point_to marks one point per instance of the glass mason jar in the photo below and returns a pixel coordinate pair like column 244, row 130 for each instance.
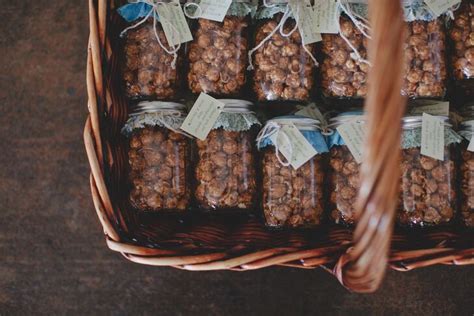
column 292, row 197
column 428, row 186
column 343, row 173
column 342, row 75
column 467, row 174
column 218, row 55
column 148, row 72
column 425, row 54
column 461, row 34
column 158, row 157
column 225, row 171
column 283, row 68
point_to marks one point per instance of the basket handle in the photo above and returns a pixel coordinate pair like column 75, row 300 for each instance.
column 363, row 267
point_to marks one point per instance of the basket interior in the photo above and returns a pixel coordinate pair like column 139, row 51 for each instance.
column 198, row 233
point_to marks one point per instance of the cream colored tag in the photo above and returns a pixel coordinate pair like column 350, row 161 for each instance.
column 203, row 116
column 353, row 134
column 306, row 21
column 326, row 13
column 214, row 10
column 471, row 144
column 174, row 23
column 293, row 145
column 311, row 111
column 441, row 6
column 432, row 137
column 436, row 108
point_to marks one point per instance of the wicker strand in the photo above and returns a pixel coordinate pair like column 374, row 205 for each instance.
column 361, row 267
column 366, row 262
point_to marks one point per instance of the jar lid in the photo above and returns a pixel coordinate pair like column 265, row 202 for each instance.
column 301, row 122
column 275, row 2
column 412, row 122
column 236, row 106
column 157, row 106
column 345, row 117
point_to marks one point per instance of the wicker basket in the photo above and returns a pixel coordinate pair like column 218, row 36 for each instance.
column 357, row 258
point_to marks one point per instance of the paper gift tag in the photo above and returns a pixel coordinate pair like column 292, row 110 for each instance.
column 432, row 137
column 203, row 116
column 306, row 21
column 436, row 108
column 311, row 111
column 471, row 144
column 441, row 6
column 353, row 134
column 174, row 23
column 293, row 145
column 326, row 14
column 214, row 10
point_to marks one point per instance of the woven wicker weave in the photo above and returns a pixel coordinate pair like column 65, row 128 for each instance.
column 357, row 258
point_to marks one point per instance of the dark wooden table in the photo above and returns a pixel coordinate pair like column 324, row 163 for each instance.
column 53, row 259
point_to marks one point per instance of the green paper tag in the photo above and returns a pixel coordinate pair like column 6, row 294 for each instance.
column 353, row 134
column 214, row 10
column 293, row 146
column 441, row 6
column 174, row 23
column 306, row 21
column 432, row 108
column 203, row 116
column 432, row 137
column 326, row 16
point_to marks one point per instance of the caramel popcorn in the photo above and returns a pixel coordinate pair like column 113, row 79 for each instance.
column 342, row 75
column 462, row 36
column 283, row 69
column 225, row 171
column 425, row 65
column 218, row 57
column 147, row 71
column 158, row 170
column 428, row 195
column 344, row 185
column 292, row 198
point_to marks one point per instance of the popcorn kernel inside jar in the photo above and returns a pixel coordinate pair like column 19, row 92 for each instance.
column 292, row 198
column 284, row 71
column 225, row 171
column 158, row 173
column 218, row 57
column 147, row 70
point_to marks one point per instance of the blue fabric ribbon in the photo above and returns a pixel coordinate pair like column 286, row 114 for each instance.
column 134, row 11
column 335, row 139
column 315, row 138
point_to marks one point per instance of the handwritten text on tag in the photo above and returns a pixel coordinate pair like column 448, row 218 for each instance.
column 441, row 6
column 326, row 14
column 293, row 146
column 203, row 116
column 214, row 10
column 432, row 137
column 437, row 109
column 353, row 134
column 306, row 21
column 174, row 23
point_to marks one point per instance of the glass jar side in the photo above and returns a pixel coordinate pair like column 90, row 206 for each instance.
column 147, row 71
column 292, row 198
column 225, row 171
column 159, row 170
